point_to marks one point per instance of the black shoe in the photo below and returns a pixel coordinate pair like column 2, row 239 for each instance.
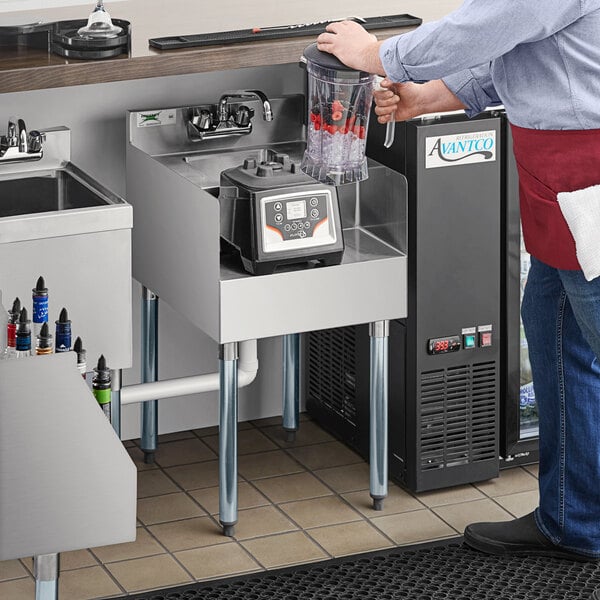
column 519, row 537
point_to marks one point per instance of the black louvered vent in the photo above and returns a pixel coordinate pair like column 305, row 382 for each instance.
column 458, row 415
column 332, row 370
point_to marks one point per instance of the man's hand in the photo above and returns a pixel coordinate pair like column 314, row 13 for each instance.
column 397, row 101
column 353, row 45
column 403, row 101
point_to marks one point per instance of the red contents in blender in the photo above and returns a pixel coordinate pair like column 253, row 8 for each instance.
column 336, row 117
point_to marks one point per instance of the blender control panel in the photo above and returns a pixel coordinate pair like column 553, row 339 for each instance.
column 297, row 220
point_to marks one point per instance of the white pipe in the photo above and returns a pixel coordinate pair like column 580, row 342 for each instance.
column 183, row 386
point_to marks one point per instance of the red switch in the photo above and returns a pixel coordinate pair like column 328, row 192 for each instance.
column 485, row 339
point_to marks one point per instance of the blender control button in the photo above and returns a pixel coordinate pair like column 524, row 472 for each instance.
column 301, row 225
column 302, row 234
column 287, row 227
column 277, row 206
column 278, row 218
column 294, row 226
column 314, row 213
column 314, row 201
column 307, row 224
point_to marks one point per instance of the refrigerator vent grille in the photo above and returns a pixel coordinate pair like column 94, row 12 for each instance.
column 458, row 415
column 332, row 370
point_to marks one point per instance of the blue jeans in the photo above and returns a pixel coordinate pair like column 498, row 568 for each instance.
column 561, row 316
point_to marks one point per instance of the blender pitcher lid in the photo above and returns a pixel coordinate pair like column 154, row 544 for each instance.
column 325, row 60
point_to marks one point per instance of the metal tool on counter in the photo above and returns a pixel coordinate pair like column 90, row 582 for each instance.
column 304, row 25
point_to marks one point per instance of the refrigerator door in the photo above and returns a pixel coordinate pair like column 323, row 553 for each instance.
column 519, row 419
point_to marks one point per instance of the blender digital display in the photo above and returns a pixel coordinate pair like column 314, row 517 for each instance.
column 296, row 210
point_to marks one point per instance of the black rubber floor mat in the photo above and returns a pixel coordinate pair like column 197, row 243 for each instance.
column 448, row 571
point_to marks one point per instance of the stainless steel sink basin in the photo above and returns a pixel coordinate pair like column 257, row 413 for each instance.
column 46, row 192
column 56, row 202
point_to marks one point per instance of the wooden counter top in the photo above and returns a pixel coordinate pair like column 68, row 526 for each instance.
column 22, row 69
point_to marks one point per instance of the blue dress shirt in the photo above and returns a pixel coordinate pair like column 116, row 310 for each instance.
column 540, row 58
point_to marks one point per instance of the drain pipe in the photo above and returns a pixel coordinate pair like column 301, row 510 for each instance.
column 183, row 386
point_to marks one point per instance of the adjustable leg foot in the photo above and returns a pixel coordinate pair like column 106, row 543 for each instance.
column 378, row 503
column 290, row 435
column 228, row 529
column 149, row 457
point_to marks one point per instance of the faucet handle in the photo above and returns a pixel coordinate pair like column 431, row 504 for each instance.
column 35, row 140
column 12, row 137
column 243, row 116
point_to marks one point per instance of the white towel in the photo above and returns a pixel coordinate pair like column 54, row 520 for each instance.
column 581, row 210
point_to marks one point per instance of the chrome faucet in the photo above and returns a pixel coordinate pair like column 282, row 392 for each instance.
column 218, row 121
column 223, row 113
column 17, row 145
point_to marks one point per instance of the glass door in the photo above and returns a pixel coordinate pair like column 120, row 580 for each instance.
column 528, row 413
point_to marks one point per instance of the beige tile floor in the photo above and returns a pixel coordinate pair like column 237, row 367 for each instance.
column 299, row 502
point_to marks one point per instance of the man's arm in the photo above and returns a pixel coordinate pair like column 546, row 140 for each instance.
column 477, row 32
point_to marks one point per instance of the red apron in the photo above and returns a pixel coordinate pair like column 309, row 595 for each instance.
column 549, row 162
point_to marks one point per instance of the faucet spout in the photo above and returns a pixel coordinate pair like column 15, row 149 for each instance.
column 267, row 110
column 23, row 142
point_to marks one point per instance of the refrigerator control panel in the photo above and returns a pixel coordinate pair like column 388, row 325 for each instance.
column 470, row 338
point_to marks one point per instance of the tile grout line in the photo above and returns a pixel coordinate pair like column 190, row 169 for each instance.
column 107, row 571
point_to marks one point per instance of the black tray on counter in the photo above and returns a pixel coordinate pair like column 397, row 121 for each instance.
column 272, row 33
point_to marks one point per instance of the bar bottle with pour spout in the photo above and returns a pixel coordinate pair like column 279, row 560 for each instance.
column 339, row 104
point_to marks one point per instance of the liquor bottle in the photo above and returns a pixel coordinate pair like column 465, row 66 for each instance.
column 44, row 341
column 101, row 384
column 11, row 331
column 24, row 335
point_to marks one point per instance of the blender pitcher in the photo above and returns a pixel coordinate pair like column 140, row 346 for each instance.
column 339, row 104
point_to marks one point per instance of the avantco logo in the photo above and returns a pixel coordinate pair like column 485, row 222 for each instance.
column 460, row 149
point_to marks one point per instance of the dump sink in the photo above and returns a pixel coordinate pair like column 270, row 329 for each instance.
column 46, row 192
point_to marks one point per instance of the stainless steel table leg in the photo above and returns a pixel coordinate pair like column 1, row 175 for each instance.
column 115, row 400
column 379, row 334
column 149, row 372
column 45, row 571
column 228, row 403
column 291, row 384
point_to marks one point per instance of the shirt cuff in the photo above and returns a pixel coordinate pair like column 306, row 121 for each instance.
column 468, row 90
column 394, row 69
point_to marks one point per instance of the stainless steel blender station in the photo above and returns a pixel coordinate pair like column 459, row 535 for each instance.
column 182, row 165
